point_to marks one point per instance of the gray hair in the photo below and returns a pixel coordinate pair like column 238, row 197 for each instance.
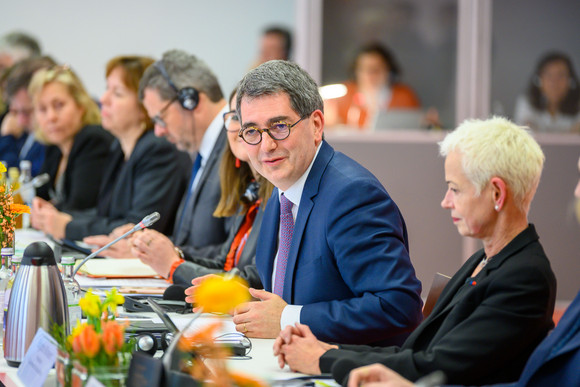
column 19, row 46
column 279, row 76
column 184, row 70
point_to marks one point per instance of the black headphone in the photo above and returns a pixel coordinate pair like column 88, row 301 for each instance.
column 188, row 97
column 251, row 194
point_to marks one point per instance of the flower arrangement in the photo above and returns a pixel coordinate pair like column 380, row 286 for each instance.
column 215, row 294
column 100, row 341
column 9, row 211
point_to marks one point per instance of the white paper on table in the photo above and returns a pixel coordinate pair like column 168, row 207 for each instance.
column 38, row 360
column 89, row 282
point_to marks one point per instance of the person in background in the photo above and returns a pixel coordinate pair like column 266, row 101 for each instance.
column 333, row 250
column 244, row 194
column 185, row 102
column 376, row 86
column 17, row 141
column 68, row 122
column 552, row 101
column 275, row 43
column 498, row 307
column 143, row 173
column 553, row 363
column 16, row 46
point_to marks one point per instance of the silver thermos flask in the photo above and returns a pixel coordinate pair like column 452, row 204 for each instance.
column 38, row 299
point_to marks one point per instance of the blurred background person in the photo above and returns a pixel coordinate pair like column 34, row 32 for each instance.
column 375, row 86
column 15, row 46
column 498, row 306
column 552, row 100
column 244, row 194
column 143, row 173
column 275, row 43
column 69, row 123
column 17, row 141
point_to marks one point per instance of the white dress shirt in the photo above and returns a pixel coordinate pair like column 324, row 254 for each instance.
column 208, row 142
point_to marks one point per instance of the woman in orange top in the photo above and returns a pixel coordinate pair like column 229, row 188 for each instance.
column 375, row 88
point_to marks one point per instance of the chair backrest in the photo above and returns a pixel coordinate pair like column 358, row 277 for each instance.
column 439, row 282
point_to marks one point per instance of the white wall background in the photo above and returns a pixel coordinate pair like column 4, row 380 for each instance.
column 86, row 34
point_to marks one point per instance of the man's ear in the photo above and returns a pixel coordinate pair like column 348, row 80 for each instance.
column 317, row 119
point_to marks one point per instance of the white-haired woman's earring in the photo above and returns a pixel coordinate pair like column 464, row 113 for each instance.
column 496, row 207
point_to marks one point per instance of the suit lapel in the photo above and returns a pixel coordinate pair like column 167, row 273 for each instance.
column 448, row 300
column 306, row 204
column 208, row 169
column 187, row 207
column 266, row 252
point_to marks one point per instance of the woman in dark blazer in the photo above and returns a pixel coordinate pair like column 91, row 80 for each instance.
column 243, row 196
column 142, row 173
column 68, row 120
column 498, row 306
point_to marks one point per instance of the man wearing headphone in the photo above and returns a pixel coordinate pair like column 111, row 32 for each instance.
column 185, row 101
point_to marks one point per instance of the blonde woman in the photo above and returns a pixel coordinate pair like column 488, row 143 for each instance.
column 68, row 121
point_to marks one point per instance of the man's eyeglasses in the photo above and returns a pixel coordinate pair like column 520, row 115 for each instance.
column 229, row 117
column 158, row 118
column 277, row 131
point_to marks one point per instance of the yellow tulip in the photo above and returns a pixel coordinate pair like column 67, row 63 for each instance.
column 219, row 294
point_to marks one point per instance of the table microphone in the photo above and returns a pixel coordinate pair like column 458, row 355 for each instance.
column 146, row 222
column 38, row 181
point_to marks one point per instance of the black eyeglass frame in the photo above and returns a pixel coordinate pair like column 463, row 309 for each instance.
column 157, row 119
column 267, row 130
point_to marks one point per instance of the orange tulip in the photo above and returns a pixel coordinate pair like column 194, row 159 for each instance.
column 87, row 342
column 113, row 336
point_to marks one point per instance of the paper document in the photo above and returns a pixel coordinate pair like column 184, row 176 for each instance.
column 117, row 268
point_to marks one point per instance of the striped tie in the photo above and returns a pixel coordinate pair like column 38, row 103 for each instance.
column 286, row 230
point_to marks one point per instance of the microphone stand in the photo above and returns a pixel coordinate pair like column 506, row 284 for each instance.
column 146, row 222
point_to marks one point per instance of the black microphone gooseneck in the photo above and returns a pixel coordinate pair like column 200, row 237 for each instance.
column 146, row 222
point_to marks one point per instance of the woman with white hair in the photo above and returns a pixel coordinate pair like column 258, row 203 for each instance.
column 498, row 306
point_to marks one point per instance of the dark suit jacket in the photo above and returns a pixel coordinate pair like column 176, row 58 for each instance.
column 246, row 267
column 10, row 148
column 153, row 179
column 201, row 233
column 84, row 170
column 556, row 361
column 481, row 330
column 348, row 263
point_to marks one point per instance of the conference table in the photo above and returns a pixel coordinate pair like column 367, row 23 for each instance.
column 259, row 363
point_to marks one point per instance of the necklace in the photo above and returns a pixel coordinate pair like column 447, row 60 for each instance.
column 483, row 261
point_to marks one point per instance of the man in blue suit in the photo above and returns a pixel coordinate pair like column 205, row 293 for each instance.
column 333, row 251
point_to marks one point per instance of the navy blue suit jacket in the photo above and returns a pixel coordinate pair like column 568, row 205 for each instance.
column 556, row 361
column 348, row 263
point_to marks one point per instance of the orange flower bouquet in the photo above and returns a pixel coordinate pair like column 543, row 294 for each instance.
column 207, row 360
column 98, row 345
column 8, row 213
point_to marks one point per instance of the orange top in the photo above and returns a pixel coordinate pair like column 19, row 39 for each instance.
column 241, row 237
column 351, row 109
